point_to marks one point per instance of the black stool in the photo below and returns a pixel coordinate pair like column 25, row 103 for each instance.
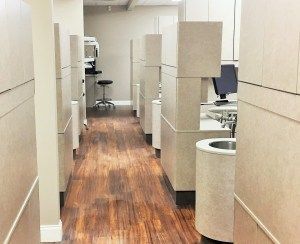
column 104, row 101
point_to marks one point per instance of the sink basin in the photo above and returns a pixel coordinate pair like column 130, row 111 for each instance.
column 225, row 145
column 221, row 146
column 216, row 112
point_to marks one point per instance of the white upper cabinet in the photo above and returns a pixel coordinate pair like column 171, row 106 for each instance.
column 281, row 45
column 5, row 64
column 223, row 11
column 162, row 22
column 193, row 10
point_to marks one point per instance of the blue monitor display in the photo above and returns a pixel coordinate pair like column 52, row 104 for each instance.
column 227, row 83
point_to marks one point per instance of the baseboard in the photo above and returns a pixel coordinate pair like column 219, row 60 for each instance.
column 122, row 103
column 51, row 233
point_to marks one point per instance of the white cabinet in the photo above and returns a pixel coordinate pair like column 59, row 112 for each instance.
column 160, row 22
column 224, row 11
column 193, row 10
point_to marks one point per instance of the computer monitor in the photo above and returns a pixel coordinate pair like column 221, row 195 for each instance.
column 227, row 83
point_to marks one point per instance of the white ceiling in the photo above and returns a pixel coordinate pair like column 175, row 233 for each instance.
column 124, row 2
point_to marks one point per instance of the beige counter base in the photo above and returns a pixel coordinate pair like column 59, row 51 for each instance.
column 178, row 154
column 65, row 150
column 215, row 195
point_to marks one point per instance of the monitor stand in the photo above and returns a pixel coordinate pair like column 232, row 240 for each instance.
column 221, row 102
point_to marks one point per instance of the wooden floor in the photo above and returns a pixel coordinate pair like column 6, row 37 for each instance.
column 117, row 194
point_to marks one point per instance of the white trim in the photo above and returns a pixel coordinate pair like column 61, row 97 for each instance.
column 257, row 221
column 51, row 233
column 20, row 213
column 122, row 103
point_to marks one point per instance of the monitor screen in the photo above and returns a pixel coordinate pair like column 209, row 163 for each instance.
column 227, row 83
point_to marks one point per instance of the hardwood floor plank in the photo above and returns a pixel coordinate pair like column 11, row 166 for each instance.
column 117, row 193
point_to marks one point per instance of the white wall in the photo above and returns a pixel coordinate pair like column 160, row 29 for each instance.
column 114, row 30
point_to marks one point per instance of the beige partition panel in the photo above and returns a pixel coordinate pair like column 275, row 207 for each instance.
column 150, row 63
column 64, row 96
column 135, row 47
column 19, row 221
column 191, row 50
column 65, row 143
column 76, row 66
column 268, row 125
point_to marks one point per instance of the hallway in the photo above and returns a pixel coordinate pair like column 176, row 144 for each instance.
column 117, row 194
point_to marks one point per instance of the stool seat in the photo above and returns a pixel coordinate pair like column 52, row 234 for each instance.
column 104, row 82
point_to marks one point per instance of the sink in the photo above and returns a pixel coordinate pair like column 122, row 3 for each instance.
column 216, row 112
column 225, row 145
column 221, row 146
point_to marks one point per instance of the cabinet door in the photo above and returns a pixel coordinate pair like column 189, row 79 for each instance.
column 13, row 8
column 281, row 45
column 5, row 64
column 252, row 41
column 224, row 11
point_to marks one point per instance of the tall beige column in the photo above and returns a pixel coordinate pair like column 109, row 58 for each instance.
column 46, row 119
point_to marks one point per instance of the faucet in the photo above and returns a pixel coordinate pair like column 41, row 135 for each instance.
column 231, row 121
